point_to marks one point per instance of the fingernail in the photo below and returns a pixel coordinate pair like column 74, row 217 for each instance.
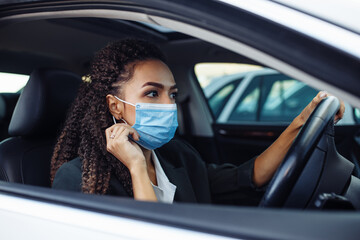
column 323, row 94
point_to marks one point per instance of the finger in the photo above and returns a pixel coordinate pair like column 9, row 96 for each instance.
column 135, row 135
column 108, row 132
column 320, row 96
column 130, row 131
column 124, row 135
column 117, row 130
column 121, row 128
column 340, row 114
column 112, row 131
column 342, row 109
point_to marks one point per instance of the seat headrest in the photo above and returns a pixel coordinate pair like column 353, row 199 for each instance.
column 2, row 108
column 43, row 103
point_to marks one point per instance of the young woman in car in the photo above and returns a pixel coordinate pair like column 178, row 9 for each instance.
column 117, row 138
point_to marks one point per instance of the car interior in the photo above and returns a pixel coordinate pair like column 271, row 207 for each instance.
column 34, row 125
column 57, row 61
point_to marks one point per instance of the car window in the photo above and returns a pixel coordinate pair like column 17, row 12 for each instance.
column 220, row 80
column 243, row 93
column 357, row 115
column 247, row 106
column 286, row 99
column 218, row 100
column 12, row 83
column 211, row 73
column 272, row 98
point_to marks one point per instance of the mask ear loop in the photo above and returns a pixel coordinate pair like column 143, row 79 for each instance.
column 123, row 102
column 114, row 119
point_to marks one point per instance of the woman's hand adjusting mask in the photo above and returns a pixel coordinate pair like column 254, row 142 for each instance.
column 119, row 145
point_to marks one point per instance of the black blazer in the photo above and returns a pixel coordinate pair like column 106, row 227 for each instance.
column 196, row 181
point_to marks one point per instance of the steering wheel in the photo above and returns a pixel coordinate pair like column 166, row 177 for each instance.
column 312, row 165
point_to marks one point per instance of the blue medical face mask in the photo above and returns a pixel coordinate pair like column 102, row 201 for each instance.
column 155, row 123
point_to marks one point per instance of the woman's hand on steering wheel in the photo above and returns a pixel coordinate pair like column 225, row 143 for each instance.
column 304, row 115
column 119, row 145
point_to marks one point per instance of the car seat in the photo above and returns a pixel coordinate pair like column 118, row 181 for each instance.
column 3, row 125
column 37, row 120
column 8, row 102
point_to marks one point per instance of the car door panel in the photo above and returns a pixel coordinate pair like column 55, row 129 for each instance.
column 239, row 143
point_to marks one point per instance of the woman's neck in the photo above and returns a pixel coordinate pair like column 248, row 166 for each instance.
column 150, row 165
column 147, row 154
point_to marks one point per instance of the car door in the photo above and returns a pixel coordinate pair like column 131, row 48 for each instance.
column 214, row 20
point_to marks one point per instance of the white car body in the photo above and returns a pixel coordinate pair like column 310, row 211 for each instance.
column 35, row 213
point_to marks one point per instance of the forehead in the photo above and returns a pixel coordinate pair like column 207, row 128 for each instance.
column 152, row 71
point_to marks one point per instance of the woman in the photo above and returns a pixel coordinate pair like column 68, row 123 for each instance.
column 116, row 139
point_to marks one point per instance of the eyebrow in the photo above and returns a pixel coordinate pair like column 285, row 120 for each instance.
column 158, row 85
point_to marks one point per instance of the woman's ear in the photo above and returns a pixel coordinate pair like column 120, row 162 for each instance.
column 115, row 106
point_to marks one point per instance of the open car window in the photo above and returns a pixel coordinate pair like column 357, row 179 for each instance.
column 244, row 92
column 12, row 83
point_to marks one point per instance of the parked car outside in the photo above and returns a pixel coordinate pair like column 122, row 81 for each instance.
column 263, row 95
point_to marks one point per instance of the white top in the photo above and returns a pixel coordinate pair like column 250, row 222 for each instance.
column 165, row 190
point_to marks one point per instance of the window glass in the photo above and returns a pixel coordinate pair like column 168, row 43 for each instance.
column 247, row 106
column 357, row 115
column 220, row 80
column 243, row 94
column 286, row 99
column 210, row 73
column 220, row 98
column 12, row 83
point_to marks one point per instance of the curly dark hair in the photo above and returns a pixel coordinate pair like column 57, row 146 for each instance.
column 84, row 132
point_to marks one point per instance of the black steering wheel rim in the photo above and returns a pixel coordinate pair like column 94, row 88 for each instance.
column 295, row 160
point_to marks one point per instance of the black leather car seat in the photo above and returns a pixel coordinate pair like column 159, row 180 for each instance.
column 3, row 125
column 7, row 105
column 34, row 126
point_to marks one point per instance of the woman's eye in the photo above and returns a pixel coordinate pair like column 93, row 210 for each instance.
column 173, row 95
column 152, row 94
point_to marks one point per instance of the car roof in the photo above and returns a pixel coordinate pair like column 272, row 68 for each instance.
column 319, row 74
column 335, row 11
column 339, row 12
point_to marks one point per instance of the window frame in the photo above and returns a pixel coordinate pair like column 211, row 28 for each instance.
column 255, row 217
